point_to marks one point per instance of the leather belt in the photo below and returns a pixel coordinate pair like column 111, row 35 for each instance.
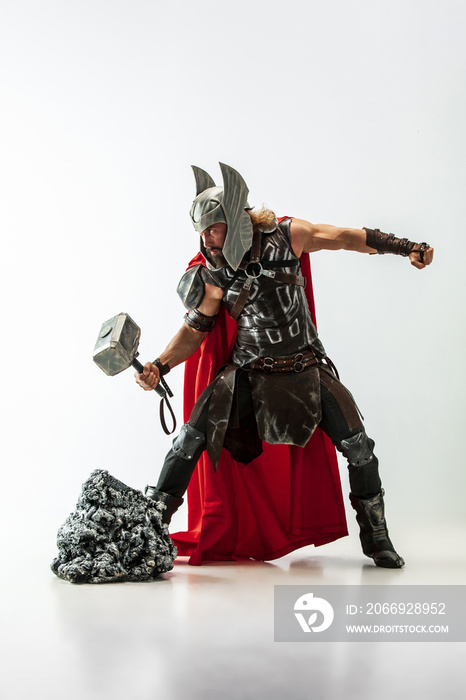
column 288, row 363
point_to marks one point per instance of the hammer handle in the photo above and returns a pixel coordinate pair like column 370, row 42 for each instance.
column 139, row 368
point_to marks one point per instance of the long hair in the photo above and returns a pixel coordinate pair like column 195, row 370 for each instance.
column 263, row 219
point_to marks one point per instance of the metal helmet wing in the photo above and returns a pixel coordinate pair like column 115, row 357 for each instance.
column 227, row 205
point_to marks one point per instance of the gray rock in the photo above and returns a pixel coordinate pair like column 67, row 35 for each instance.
column 115, row 534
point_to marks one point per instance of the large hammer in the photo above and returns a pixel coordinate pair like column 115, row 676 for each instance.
column 116, row 350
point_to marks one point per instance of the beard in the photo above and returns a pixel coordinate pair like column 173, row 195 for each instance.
column 218, row 260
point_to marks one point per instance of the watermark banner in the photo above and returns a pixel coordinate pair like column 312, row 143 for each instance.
column 370, row 613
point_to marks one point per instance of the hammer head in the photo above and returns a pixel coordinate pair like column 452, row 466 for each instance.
column 117, row 344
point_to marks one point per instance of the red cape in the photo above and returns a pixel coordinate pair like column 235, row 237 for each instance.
column 287, row 498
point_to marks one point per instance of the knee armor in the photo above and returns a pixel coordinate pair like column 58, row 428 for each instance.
column 187, row 442
column 358, row 449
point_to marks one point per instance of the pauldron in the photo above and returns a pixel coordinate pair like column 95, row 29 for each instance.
column 191, row 288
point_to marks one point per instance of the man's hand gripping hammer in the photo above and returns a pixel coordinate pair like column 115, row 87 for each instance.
column 116, row 350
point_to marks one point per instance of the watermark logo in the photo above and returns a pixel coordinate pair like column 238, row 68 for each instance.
column 312, row 605
column 372, row 613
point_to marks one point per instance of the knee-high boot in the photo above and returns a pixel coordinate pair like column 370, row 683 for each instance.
column 177, row 469
column 375, row 541
column 172, row 503
column 367, row 500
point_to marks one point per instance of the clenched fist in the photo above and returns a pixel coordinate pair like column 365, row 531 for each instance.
column 415, row 257
column 149, row 378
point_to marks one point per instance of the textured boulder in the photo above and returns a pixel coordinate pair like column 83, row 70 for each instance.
column 115, row 534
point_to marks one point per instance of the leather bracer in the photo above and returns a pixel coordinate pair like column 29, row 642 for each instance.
column 199, row 321
column 388, row 243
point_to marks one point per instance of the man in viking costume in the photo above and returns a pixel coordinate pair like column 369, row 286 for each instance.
column 264, row 407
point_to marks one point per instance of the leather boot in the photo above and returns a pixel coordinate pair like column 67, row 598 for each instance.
column 172, row 503
column 373, row 531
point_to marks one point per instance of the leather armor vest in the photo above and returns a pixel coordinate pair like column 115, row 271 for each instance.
column 275, row 320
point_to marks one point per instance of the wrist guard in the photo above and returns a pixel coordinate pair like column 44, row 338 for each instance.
column 195, row 319
column 163, row 369
column 387, row 243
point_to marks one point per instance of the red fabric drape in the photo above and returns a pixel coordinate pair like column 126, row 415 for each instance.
column 287, row 498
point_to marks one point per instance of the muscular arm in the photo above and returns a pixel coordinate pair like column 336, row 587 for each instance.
column 310, row 238
column 184, row 343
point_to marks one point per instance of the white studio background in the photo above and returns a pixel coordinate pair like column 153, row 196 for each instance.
column 344, row 112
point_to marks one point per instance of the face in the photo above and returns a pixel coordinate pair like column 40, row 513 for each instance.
column 213, row 239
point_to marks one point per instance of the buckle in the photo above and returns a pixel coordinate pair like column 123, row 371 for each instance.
column 298, row 364
column 268, row 364
column 253, row 270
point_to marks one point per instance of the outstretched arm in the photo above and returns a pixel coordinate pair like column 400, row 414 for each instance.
column 310, row 238
column 184, row 343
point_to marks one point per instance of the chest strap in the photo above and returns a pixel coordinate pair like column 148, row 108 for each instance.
column 246, row 288
column 254, row 269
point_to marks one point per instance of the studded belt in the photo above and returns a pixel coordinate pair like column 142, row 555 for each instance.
column 288, row 363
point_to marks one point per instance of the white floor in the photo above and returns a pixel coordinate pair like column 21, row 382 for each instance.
column 207, row 632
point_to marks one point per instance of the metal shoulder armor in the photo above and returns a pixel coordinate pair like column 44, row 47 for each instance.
column 191, row 287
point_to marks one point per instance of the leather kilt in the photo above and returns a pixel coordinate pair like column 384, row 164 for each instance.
column 286, row 405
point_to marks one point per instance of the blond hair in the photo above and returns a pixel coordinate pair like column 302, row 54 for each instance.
column 263, row 219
